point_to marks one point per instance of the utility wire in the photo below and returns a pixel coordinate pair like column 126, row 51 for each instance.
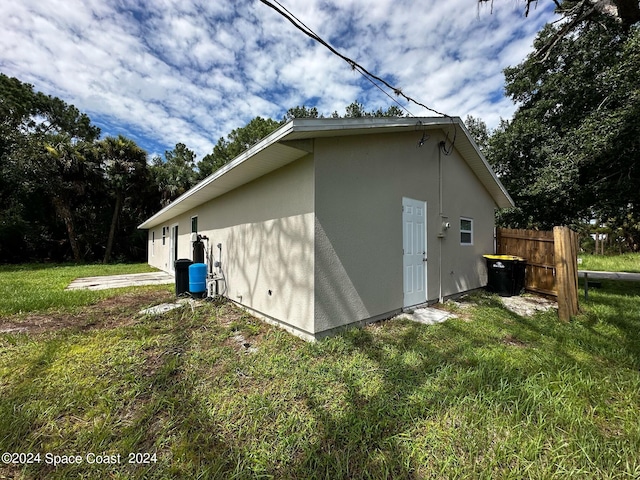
column 307, row 30
column 354, row 65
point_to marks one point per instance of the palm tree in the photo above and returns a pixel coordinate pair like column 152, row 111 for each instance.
column 125, row 167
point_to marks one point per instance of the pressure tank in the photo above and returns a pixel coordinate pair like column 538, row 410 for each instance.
column 198, row 279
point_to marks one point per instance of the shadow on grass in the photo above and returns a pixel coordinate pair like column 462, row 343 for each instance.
column 450, row 376
column 502, row 395
column 613, row 312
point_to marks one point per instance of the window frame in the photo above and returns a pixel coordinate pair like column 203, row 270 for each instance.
column 466, row 231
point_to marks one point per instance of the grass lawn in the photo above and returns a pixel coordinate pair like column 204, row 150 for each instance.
column 210, row 392
column 30, row 287
column 628, row 262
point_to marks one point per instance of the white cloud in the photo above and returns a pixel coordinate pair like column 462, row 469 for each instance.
column 173, row 71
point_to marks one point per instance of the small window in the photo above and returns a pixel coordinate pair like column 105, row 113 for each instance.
column 164, row 235
column 153, row 243
column 466, row 231
column 194, row 224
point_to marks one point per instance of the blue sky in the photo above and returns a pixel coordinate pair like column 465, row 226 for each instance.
column 169, row 71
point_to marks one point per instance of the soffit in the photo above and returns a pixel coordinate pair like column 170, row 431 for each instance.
column 288, row 144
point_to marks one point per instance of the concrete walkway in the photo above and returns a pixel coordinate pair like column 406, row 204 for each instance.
column 120, row 281
column 595, row 275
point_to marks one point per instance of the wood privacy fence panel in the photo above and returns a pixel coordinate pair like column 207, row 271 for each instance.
column 566, row 255
column 537, row 248
column 552, row 266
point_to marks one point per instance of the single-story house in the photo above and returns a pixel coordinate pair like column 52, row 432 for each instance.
column 332, row 222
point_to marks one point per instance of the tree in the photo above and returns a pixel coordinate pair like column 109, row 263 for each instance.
column 358, row 110
column 176, row 174
column 43, row 144
column 236, row 142
column 71, row 168
column 125, row 167
column 627, row 12
column 479, row 131
column 570, row 152
column 355, row 110
column 576, row 12
column 300, row 112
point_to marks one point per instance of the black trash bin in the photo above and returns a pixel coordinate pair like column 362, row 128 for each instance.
column 182, row 275
column 506, row 274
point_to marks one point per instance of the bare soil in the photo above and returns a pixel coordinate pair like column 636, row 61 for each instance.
column 109, row 313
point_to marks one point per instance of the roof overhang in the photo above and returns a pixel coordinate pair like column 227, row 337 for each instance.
column 294, row 140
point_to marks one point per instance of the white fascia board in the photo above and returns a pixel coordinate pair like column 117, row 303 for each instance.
column 507, row 201
column 310, row 128
column 174, row 209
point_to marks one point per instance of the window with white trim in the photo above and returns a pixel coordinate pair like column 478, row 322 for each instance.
column 466, row 231
column 194, row 224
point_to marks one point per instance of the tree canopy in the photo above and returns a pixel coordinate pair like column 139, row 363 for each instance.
column 64, row 194
column 67, row 194
column 239, row 140
column 242, row 138
column 570, row 153
column 175, row 174
column 626, row 12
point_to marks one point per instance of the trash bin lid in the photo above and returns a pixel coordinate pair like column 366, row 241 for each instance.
column 512, row 258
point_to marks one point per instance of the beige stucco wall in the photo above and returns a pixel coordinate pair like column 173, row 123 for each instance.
column 317, row 244
column 157, row 250
column 360, row 182
column 266, row 231
column 463, row 267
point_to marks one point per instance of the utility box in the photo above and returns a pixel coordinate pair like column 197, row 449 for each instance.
column 506, row 274
column 182, row 275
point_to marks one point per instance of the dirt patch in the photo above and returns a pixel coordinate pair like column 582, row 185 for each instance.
column 227, row 314
column 513, row 342
column 243, row 345
column 109, row 313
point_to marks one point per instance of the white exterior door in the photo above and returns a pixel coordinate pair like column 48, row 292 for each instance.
column 414, row 245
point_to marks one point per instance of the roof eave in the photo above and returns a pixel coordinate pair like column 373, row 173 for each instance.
column 270, row 139
column 300, row 125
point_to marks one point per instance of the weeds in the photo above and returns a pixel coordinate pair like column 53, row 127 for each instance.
column 496, row 395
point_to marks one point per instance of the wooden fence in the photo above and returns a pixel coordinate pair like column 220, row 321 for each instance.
column 552, row 266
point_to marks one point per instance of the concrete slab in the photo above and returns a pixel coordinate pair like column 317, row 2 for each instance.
column 167, row 307
column 427, row 315
column 160, row 309
column 120, row 281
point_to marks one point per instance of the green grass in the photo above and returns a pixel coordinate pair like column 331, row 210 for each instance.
column 490, row 395
column 38, row 287
column 627, row 262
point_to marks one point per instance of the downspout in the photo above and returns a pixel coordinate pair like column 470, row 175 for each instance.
column 444, row 223
column 441, row 234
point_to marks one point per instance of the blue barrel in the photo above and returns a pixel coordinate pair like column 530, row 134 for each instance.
column 197, row 278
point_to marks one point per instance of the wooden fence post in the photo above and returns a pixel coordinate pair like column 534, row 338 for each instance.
column 566, row 254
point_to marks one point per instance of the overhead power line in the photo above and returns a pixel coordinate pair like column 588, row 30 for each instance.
column 374, row 79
